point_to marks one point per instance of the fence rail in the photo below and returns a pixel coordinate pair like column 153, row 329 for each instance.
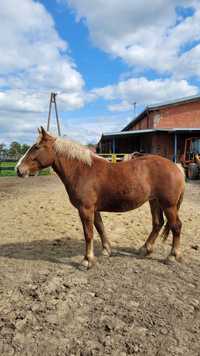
column 7, row 168
column 114, row 157
column 4, row 168
column 9, row 158
column 7, row 165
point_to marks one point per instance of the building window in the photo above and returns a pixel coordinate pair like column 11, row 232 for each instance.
column 156, row 119
column 158, row 148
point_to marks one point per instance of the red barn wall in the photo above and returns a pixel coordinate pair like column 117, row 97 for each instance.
column 186, row 115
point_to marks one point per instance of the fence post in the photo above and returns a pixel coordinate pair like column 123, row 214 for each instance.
column 114, row 158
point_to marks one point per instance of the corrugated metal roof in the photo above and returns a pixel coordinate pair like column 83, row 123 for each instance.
column 174, row 102
column 140, row 132
column 162, row 105
column 124, row 133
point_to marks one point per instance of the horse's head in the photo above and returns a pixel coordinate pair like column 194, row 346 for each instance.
column 38, row 156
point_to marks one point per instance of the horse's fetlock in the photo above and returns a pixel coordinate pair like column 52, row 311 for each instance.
column 144, row 250
column 149, row 248
column 106, row 251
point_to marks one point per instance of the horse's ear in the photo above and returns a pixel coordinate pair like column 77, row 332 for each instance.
column 42, row 131
column 39, row 131
column 45, row 134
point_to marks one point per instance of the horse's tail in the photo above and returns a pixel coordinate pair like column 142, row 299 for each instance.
column 166, row 229
column 181, row 168
column 165, row 232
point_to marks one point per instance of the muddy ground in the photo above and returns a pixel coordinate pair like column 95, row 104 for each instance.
column 126, row 305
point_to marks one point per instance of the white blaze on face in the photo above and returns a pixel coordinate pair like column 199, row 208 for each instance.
column 23, row 170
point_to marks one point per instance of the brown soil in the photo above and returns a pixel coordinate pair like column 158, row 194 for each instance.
column 125, row 305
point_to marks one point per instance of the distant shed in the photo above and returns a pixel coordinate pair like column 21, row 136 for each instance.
column 159, row 129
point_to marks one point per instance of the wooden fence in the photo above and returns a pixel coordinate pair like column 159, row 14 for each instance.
column 114, row 157
column 7, row 168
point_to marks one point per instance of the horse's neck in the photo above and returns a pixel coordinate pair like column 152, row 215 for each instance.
column 68, row 170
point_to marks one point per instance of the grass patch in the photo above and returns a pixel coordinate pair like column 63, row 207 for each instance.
column 11, row 172
column 7, row 164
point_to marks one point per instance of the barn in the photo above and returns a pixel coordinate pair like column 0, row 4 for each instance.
column 159, row 129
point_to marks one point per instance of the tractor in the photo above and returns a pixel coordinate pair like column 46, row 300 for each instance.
column 191, row 157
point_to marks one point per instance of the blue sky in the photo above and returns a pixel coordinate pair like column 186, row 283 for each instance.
column 99, row 56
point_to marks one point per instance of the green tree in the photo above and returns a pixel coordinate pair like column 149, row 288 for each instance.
column 3, row 150
column 15, row 148
column 24, row 148
column 2, row 147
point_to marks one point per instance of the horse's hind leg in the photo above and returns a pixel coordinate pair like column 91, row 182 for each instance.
column 157, row 223
column 175, row 226
column 100, row 229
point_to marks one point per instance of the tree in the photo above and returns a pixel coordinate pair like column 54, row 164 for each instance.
column 24, row 148
column 3, row 150
column 15, row 148
column 2, row 147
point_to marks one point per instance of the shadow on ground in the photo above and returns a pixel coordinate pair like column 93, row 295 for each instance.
column 61, row 251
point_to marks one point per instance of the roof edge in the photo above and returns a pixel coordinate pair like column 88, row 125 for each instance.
column 161, row 105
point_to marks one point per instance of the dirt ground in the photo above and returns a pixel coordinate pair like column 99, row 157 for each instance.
column 125, row 305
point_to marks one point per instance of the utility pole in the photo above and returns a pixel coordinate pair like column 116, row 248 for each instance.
column 53, row 101
column 134, row 107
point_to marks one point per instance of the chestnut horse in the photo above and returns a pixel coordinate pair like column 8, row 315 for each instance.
column 94, row 184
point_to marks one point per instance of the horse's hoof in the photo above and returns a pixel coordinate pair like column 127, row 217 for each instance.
column 171, row 259
column 87, row 264
column 143, row 252
column 179, row 259
column 106, row 252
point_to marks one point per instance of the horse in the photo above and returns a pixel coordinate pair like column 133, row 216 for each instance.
column 94, row 185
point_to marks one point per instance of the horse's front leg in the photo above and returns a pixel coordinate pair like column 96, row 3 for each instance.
column 87, row 219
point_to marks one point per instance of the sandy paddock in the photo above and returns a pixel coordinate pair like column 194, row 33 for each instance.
column 126, row 305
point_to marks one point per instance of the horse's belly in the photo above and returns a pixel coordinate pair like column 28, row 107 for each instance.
column 120, row 205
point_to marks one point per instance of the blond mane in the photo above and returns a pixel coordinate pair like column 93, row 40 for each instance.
column 73, row 150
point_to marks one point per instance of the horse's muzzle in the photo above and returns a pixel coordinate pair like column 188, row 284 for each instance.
column 19, row 173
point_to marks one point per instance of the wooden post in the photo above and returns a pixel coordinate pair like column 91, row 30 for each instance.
column 175, row 147
column 113, row 144
column 53, row 101
column 49, row 115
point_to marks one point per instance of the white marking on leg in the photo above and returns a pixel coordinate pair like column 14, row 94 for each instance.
column 90, row 251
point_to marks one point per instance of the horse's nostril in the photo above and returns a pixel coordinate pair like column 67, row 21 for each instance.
column 19, row 173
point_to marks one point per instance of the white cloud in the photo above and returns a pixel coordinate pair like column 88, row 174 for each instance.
column 189, row 64
column 121, row 106
column 91, row 130
column 143, row 92
column 144, row 33
column 34, row 61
